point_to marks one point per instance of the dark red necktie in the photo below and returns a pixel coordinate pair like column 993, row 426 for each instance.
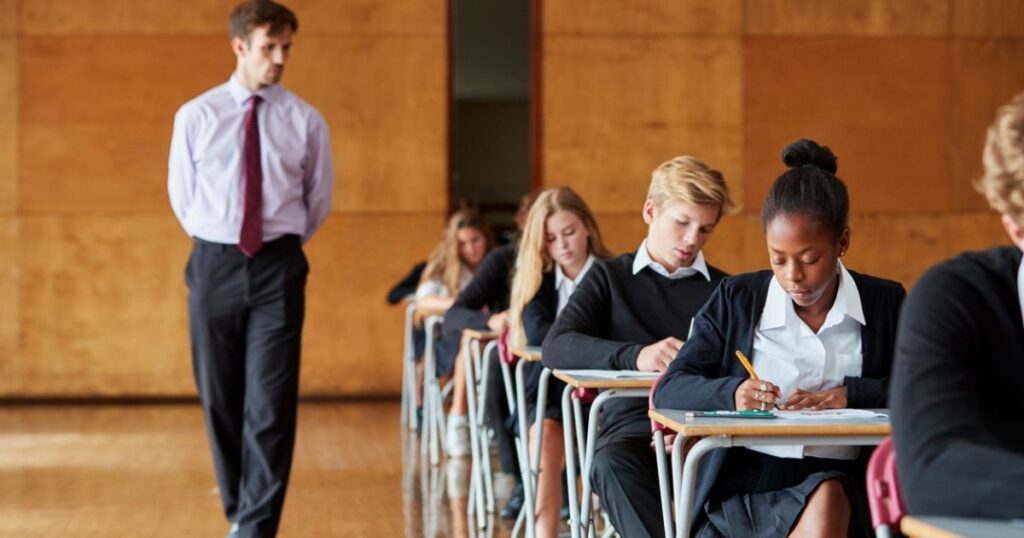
column 250, row 240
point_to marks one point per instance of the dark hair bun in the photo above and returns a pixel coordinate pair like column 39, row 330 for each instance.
column 806, row 152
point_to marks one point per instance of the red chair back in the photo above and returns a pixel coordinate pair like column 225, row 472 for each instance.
column 504, row 352
column 884, row 501
column 655, row 426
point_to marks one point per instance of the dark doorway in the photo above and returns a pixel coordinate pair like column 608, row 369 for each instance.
column 490, row 111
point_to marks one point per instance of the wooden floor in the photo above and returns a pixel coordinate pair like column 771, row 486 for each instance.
column 120, row 470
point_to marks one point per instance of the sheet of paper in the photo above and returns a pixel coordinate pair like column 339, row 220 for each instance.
column 614, row 374
column 826, row 414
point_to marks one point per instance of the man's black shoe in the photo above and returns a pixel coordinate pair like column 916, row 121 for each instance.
column 515, row 503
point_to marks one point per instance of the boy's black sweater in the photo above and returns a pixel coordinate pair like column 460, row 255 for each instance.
column 612, row 315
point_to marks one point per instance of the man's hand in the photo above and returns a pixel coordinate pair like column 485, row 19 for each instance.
column 655, row 357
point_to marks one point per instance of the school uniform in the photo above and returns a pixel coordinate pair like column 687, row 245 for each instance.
column 762, row 491
column 444, row 356
column 956, row 389
column 538, row 315
column 486, row 294
column 622, row 305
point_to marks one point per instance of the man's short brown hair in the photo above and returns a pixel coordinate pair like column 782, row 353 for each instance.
column 253, row 14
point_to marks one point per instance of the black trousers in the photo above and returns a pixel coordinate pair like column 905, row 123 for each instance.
column 245, row 322
column 625, row 478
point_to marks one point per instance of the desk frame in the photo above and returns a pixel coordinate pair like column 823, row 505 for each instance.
column 610, row 388
column 745, row 433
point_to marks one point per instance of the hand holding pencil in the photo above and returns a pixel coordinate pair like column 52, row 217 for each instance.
column 755, row 393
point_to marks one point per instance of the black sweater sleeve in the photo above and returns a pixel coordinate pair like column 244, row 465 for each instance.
column 701, row 377
column 572, row 341
column 539, row 313
column 949, row 462
column 406, row 286
column 488, row 288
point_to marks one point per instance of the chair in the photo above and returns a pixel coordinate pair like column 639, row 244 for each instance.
column 481, row 483
column 508, row 361
column 887, row 508
column 409, row 370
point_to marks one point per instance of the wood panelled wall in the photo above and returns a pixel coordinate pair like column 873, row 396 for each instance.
column 92, row 298
column 900, row 89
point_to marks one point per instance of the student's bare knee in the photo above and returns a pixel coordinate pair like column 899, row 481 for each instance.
column 829, row 497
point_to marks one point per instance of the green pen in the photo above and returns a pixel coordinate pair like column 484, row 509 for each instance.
column 731, row 414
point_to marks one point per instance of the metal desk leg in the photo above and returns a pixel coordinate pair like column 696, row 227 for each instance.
column 471, row 350
column 581, row 441
column 689, row 481
column 482, row 418
column 570, row 462
column 595, row 409
column 538, row 421
column 663, row 479
column 524, row 459
column 588, row 457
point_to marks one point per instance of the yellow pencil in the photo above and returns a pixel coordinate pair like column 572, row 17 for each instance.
column 746, row 364
column 750, row 370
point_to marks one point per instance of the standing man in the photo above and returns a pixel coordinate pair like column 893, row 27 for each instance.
column 250, row 180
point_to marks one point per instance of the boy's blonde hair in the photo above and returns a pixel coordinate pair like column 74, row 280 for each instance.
column 1003, row 156
column 687, row 179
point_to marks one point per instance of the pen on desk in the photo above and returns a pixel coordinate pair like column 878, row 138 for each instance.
column 750, row 370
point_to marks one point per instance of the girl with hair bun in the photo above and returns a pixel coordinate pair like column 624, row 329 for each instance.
column 820, row 337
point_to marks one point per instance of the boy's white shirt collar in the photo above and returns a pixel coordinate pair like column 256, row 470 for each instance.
column 779, row 304
column 643, row 259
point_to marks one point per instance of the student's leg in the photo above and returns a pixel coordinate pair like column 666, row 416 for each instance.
column 549, row 482
column 419, row 384
column 459, row 389
column 827, row 512
column 625, row 477
column 457, row 437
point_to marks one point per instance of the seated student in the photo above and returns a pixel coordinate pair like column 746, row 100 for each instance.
column 819, row 336
column 483, row 305
column 452, row 263
column 956, row 385
column 449, row 269
column 632, row 313
column 560, row 242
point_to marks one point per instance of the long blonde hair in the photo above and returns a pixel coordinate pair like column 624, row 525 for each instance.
column 533, row 260
column 444, row 264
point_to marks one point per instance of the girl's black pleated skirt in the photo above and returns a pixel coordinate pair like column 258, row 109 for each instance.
column 756, row 494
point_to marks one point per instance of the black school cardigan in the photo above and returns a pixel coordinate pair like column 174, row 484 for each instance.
column 706, row 373
column 957, row 397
